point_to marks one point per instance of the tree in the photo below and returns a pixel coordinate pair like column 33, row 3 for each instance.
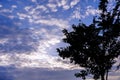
column 94, row 47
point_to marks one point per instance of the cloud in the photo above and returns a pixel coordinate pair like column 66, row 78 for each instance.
column 34, row 0
column 41, row 74
column 73, row 3
column 79, row 13
column 31, row 46
column 64, row 4
column 23, row 16
column 14, row 6
column 54, row 22
column 29, row 35
column 114, row 75
column 14, row 39
column 27, row 8
column 5, row 11
column 43, row 8
column 76, row 14
column 41, row 57
column 91, row 11
column 1, row 5
column 53, row 7
column 36, row 74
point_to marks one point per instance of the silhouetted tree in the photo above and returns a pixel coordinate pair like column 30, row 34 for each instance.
column 97, row 46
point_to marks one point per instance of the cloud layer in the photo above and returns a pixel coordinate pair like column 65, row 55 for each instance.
column 30, row 32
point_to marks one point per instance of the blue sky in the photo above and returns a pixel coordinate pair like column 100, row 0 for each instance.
column 30, row 32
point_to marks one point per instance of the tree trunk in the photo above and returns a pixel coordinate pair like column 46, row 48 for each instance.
column 107, row 75
column 102, row 76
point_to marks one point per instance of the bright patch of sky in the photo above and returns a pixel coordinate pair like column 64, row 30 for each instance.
column 30, row 30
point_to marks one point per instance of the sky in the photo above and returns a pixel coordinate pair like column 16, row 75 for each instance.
column 30, row 32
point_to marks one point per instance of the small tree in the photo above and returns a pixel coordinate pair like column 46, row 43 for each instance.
column 94, row 47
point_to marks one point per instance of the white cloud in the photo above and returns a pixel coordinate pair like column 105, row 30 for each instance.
column 6, row 10
column 1, row 5
column 39, row 59
column 65, row 4
column 23, row 16
column 14, row 6
column 76, row 14
column 73, row 3
column 62, row 3
column 54, row 22
column 53, row 7
column 11, row 16
column 27, row 8
column 66, row 7
column 5, row 60
column 91, row 11
column 35, row 13
column 4, row 40
column 43, row 8
column 114, row 75
column 42, row 60
column 34, row 1
column 54, row 4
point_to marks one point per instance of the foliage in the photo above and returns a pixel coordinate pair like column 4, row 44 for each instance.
column 94, row 47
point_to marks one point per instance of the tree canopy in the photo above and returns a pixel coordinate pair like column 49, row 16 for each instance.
column 96, row 46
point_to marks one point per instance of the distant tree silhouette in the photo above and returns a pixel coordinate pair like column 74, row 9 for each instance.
column 97, row 46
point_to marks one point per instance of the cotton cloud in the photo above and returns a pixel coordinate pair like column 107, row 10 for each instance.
column 13, row 39
column 39, row 59
column 1, row 5
column 27, row 8
column 18, row 39
column 54, row 22
column 76, row 14
column 23, row 16
column 79, row 13
column 73, row 3
column 34, row 1
column 91, row 11
column 65, row 4
column 53, row 7
column 6, row 11
column 43, row 8
column 32, row 55
column 14, row 6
